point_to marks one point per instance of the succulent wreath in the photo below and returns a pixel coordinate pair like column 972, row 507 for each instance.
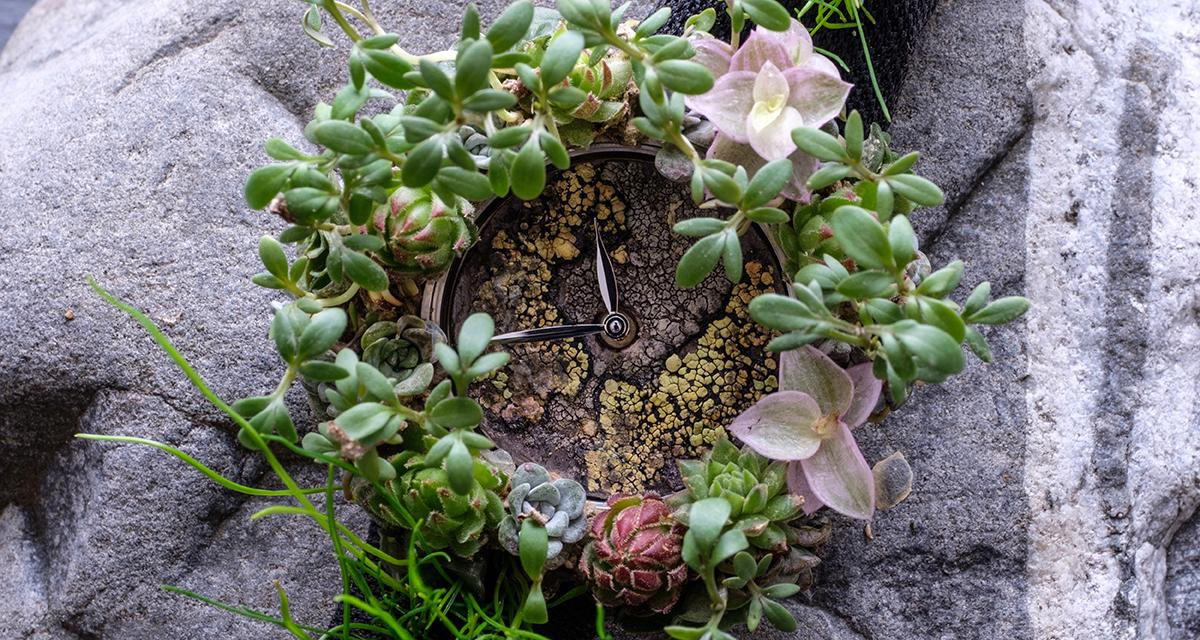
column 472, row 545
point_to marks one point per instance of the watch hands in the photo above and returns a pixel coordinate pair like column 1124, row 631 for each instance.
column 604, row 273
column 549, row 333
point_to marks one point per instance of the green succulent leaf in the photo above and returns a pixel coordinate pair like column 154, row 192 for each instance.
column 457, row 413
column 1001, row 311
column 699, row 260
column 364, row 271
column 862, row 237
column 342, row 137
column 819, row 145
column 768, row 13
column 706, row 519
column 561, row 56
column 322, row 332
column 511, row 26
column 265, row 183
column 474, row 336
column 686, row 77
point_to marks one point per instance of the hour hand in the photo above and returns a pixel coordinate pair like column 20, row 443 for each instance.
column 549, row 333
column 604, row 273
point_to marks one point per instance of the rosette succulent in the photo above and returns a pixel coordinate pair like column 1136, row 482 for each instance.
column 634, row 558
column 397, row 347
column 424, row 233
column 448, row 520
column 544, row 516
column 557, row 505
column 755, row 488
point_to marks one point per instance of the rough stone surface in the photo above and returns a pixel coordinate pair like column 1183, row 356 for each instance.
column 10, row 14
column 1056, row 490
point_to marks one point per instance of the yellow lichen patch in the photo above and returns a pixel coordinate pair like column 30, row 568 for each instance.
column 694, row 398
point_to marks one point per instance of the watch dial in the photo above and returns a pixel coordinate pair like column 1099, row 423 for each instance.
column 615, row 416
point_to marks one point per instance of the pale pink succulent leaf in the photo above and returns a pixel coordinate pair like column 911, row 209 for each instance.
column 866, row 394
column 798, row 43
column 780, row 426
column 822, row 64
column 728, row 104
column 798, row 485
column 840, row 477
column 818, row 96
column 774, row 141
column 808, row 370
column 761, row 47
column 714, row 54
column 770, row 85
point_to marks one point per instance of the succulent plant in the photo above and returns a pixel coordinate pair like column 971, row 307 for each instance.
column 754, row 487
column 634, row 558
column 558, row 505
column 423, row 232
column 398, row 347
column 448, row 520
column 808, row 423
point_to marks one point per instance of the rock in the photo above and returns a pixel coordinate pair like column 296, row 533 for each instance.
column 129, row 129
column 10, row 14
column 1055, row 491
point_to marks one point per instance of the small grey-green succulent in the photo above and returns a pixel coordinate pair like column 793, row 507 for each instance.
column 558, row 505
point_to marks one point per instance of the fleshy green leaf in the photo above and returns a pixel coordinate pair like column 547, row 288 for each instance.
column 862, row 237
column 699, row 260
column 474, row 336
column 561, row 56
column 265, row 183
column 364, row 271
column 1001, row 311
column 342, row 137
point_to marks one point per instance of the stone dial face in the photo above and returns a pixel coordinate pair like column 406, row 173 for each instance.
column 615, row 419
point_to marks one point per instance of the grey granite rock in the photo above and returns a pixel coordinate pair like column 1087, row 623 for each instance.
column 1056, row 490
column 11, row 12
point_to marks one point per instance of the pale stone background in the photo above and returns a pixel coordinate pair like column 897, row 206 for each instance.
column 1056, row 490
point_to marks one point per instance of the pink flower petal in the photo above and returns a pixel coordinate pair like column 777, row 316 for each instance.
column 761, row 47
column 866, row 394
column 728, row 103
column 798, row 43
column 780, row 426
column 714, row 54
column 798, row 485
column 819, row 97
column 770, row 83
column 808, row 370
column 840, row 477
column 774, row 141
column 820, row 63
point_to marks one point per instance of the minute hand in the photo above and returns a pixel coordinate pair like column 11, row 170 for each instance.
column 604, row 273
column 549, row 333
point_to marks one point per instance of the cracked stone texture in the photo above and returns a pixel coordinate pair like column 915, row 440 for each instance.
column 1059, row 502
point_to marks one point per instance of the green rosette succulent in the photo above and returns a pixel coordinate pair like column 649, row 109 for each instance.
column 397, row 347
column 422, row 232
column 557, row 505
column 447, row 520
column 755, row 488
column 746, row 533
